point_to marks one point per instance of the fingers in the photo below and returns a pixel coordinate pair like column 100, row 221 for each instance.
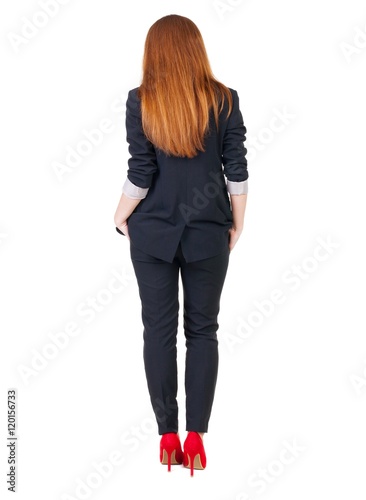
column 233, row 238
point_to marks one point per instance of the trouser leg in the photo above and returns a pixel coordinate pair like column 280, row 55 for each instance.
column 202, row 283
column 158, row 289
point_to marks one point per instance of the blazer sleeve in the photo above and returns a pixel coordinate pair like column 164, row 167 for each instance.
column 143, row 163
column 233, row 153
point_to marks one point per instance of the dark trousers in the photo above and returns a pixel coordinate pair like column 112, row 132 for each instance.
column 202, row 282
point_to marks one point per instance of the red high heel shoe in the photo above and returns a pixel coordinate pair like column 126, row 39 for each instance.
column 170, row 450
column 194, row 456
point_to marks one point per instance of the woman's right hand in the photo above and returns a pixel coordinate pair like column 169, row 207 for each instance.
column 124, row 228
column 234, row 235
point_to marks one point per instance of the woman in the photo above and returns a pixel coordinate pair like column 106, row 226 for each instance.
column 186, row 134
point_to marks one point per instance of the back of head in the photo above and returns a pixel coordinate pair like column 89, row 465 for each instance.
column 178, row 88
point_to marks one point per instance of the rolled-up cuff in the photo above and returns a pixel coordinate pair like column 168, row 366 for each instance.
column 237, row 187
column 134, row 192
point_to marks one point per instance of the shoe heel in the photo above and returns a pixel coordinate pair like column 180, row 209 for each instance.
column 194, row 453
column 194, row 462
column 191, row 464
column 169, row 458
column 170, row 450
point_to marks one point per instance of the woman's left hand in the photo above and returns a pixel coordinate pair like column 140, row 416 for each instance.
column 124, row 228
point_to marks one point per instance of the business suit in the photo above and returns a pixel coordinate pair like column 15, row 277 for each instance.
column 182, row 224
column 187, row 198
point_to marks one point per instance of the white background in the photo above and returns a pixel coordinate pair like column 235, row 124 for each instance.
column 300, row 374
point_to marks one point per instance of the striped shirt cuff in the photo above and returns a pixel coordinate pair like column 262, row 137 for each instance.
column 134, row 192
column 237, row 187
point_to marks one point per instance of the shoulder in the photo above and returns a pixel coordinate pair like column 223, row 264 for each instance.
column 133, row 95
column 133, row 103
column 234, row 94
column 234, row 98
column 134, row 92
column 234, row 101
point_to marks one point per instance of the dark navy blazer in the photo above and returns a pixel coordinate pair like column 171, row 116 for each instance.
column 187, row 199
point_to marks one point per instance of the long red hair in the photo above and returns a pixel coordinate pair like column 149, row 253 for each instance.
column 178, row 88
